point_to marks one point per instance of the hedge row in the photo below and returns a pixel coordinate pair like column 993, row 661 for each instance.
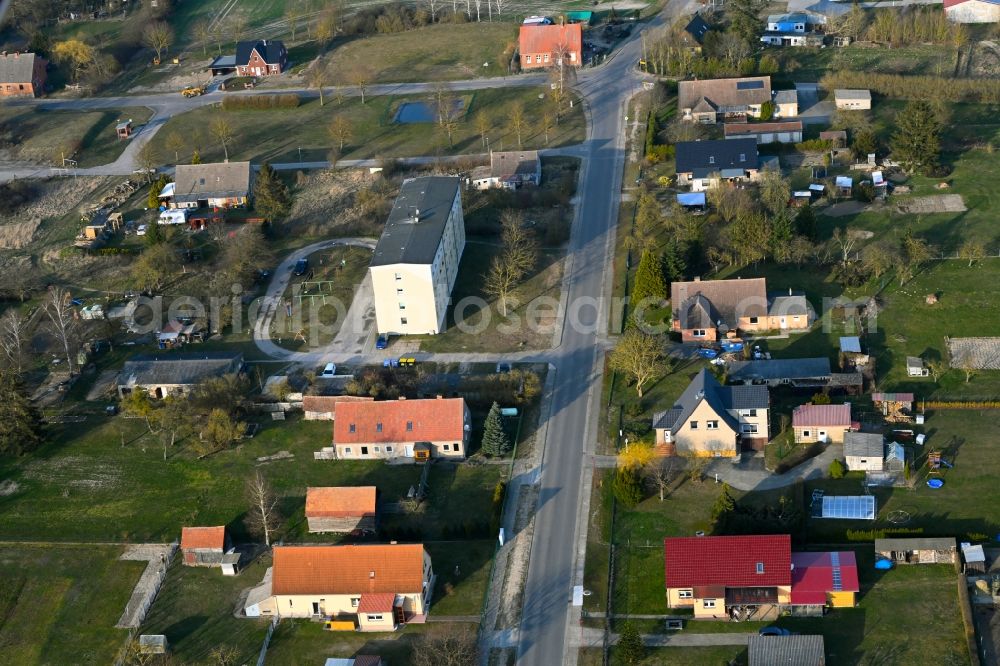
column 260, row 102
column 872, row 534
column 962, row 404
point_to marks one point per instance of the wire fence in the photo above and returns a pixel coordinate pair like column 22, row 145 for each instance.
column 267, row 641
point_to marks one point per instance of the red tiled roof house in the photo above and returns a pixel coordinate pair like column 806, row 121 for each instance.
column 419, row 429
column 751, row 575
column 540, row 46
column 824, row 579
column 380, row 586
column 821, row 423
column 341, row 509
column 204, row 546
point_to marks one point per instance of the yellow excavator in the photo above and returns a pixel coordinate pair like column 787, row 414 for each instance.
column 193, row 91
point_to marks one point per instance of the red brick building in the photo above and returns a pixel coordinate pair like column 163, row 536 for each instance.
column 266, row 57
column 21, row 75
column 541, row 45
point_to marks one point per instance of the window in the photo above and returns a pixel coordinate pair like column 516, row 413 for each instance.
column 402, row 321
column 374, row 618
column 698, row 333
column 821, row 433
column 364, row 450
column 712, row 425
column 402, row 306
column 399, row 276
column 538, row 57
column 446, row 447
column 743, row 157
column 864, row 462
column 753, row 320
column 352, row 428
column 388, row 449
column 355, row 601
column 347, row 450
column 378, row 427
column 546, row 57
column 760, row 567
column 708, row 603
column 749, row 428
column 694, row 425
column 749, row 412
column 378, row 449
column 527, row 58
column 409, row 426
column 805, row 433
column 399, row 291
column 711, row 159
column 572, row 56
column 685, row 594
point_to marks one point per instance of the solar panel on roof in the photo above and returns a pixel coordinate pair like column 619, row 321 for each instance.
column 849, row 507
column 749, row 85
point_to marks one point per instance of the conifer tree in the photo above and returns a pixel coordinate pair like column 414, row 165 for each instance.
column 20, row 422
column 495, row 440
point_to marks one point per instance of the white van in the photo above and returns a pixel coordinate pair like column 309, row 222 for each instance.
column 329, row 371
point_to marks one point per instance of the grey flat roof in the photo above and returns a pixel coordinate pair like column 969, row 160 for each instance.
column 177, row 369
column 918, row 543
column 785, row 650
column 406, row 241
column 786, row 368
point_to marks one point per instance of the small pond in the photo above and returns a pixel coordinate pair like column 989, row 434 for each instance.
column 424, row 112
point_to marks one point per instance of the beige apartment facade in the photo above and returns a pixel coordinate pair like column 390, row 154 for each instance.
column 416, row 260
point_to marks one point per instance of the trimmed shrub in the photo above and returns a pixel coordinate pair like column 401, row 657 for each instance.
column 260, row 102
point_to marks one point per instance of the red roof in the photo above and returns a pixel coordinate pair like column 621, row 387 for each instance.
column 433, row 420
column 355, row 569
column 210, row 538
column 340, row 501
column 731, row 561
column 813, row 575
column 380, row 602
column 821, row 415
column 547, row 38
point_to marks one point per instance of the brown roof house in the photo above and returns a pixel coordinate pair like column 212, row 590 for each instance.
column 707, row 310
column 713, row 100
column 709, row 419
column 215, row 185
column 341, row 509
column 417, row 429
column 508, row 170
column 378, row 586
column 266, row 57
column 540, row 46
column 208, row 547
column 821, row 423
column 21, row 75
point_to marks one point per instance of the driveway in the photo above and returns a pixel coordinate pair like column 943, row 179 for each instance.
column 749, row 473
column 811, row 110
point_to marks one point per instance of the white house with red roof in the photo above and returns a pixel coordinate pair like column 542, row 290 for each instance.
column 821, row 423
column 417, row 429
column 754, row 577
column 544, row 46
column 972, row 11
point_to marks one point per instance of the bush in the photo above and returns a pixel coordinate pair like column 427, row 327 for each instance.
column 260, row 102
column 837, row 469
column 15, row 194
column 814, row 145
column 627, row 487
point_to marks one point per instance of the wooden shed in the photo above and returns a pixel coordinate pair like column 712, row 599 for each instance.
column 937, row 550
column 124, row 129
column 204, row 546
column 341, row 509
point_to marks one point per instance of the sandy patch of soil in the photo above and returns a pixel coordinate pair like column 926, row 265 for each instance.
column 325, row 200
column 938, row 203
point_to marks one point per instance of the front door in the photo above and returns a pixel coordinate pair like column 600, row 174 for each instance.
column 408, row 450
column 784, row 322
column 315, row 606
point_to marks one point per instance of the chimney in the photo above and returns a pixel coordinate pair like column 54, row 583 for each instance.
column 393, row 543
column 789, row 291
column 402, row 397
column 439, row 397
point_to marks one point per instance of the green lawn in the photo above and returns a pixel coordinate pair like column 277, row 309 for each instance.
column 194, row 609
column 89, row 137
column 417, row 55
column 812, row 64
column 460, row 591
column 723, row 655
column 59, row 604
column 278, row 135
column 304, row 642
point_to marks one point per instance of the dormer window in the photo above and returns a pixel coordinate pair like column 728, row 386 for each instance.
column 743, row 157
column 352, row 428
column 760, row 567
column 409, row 426
column 711, row 159
column 378, row 427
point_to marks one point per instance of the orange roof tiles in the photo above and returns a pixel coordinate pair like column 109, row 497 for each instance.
column 354, row 569
column 380, row 602
column 203, row 537
column 340, row 501
column 433, row 420
column 547, row 38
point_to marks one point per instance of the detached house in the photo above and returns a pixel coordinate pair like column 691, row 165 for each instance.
column 693, row 34
column 341, row 509
column 702, row 165
column 709, row 419
column 266, row 57
column 864, row 451
column 377, row 586
column 216, row 185
column 508, row 170
column 415, row 263
column 174, row 374
column 417, row 429
column 707, row 310
column 821, row 423
column 22, row 75
column 543, row 46
column 795, row 29
column 755, row 577
column 712, row 100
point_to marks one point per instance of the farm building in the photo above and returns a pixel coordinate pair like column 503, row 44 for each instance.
column 324, row 407
column 543, row 46
column 267, row 57
column 175, row 374
column 821, row 423
column 416, row 429
column 341, row 509
column 508, row 170
column 22, row 74
column 794, row 371
column 786, row 650
column 789, row 131
column 938, row 550
column 853, row 100
column 208, row 547
column 864, row 451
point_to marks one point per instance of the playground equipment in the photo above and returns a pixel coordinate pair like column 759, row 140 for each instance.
column 935, row 462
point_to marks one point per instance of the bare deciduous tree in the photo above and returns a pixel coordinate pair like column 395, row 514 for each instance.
column 175, row 143
column 972, row 251
column 547, row 124
column 263, row 518
column 222, row 132
column 518, row 257
column 237, row 26
column 147, row 158
column 482, row 125
column 293, row 14
column 517, row 120
column 432, row 7
column 846, row 240
column 360, row 77
column 13, row 338
column 158, row 36
column 203, row 33
column 661, row 472
column 318, row 76
column 340, row 131
column 58, row 307
column 638, row 355
column 450, row 646
column 500, row 5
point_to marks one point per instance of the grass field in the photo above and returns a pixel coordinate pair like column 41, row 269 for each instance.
column 416, row 55
column 88, row 137
column 812, row 64
column 59, row 604
column 279, row 135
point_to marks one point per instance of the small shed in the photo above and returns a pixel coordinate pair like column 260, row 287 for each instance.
column 851, row 355
column 341, row 509
column 937, row 550
column 864, row 451
column 973, row 559
column 837, row 138
column 852, row 100
column 204, row 546
column 422, row 451
column 915, row 367
column 586, row 18
column 792, row 650
column 895, row 407
column 124, row 129
column 845, row 185
column 153, row 644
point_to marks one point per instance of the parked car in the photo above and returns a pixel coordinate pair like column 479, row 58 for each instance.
column 141, row 231
column 329, row 371
column 382, row 342
column 503, row 367
column 774, row 631
column 301, row 266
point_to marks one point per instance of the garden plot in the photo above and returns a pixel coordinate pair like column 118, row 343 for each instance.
column 938, row 203
column 975, row 353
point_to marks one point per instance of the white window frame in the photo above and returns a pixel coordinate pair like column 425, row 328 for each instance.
column 685, row 594
column 754, row 320
column 760, row 568
column 749, row 429
column 374, row 618
column 806, row 433
column 355, row 601
column 388, row 449
column 708, row 603
column 698, row 333
column 347, row 451
column 711, row 425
